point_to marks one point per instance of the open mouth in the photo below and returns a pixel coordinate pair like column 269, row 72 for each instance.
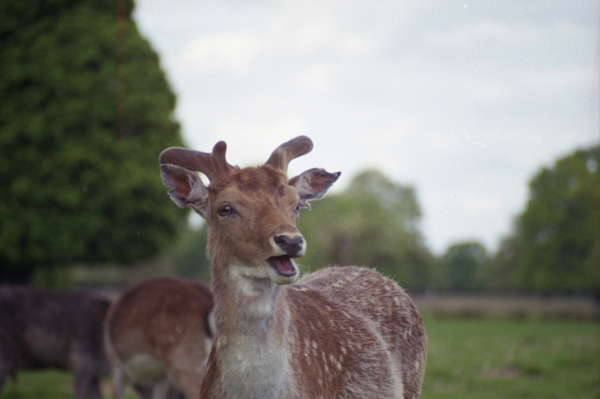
column 283, row 265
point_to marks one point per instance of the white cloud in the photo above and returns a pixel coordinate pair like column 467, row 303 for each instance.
column 559, row 79
column 485, row 31
column 316, row 77
column 229, row 52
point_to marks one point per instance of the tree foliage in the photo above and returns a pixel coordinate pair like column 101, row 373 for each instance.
column 191, row 260
column 499, row 270
column 559, row 231
column 461, row 266
column 85, row 110
column 375, row 222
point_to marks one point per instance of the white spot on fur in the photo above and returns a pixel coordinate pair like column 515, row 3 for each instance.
column 221, row 341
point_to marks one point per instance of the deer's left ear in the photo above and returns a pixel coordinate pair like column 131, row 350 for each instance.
column 313, row 184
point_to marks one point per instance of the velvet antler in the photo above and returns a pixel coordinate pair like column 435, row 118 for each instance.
column 281, row 157
column 213, row 165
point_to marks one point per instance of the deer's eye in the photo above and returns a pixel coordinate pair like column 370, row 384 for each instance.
column 225, row 210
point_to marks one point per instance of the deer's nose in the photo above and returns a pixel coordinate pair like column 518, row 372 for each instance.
column 292, row 245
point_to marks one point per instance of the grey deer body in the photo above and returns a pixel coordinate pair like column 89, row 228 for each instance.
column 342, row 332
column 47, row 329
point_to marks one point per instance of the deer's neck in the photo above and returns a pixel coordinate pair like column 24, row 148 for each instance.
column 251, row 323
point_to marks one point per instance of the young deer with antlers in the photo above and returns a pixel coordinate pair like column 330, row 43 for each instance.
column 341, row 332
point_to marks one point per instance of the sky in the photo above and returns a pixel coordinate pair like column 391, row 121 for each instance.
column 463, row 100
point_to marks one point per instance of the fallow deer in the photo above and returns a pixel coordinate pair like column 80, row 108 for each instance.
column 341, row 332
column 158, row 333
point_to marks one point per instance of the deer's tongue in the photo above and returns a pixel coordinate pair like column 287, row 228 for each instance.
column 283, row 265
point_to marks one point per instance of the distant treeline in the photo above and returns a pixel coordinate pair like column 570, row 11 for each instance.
column 554, row 246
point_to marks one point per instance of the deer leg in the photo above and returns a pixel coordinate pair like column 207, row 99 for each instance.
column 160, row 389
column 143, row 391
column 83, row 384
column 175, row 394
column 7, row 368
column 95, row 389
column 119, row 382
column 3, row 374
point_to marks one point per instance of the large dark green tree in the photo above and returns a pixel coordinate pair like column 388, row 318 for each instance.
column 374, row 222
column 559, row 231
column 84, row 112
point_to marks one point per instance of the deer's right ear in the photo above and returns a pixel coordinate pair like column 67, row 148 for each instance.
column 187, row 188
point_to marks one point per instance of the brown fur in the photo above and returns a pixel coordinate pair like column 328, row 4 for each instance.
column 162, row 321
column 342, row 332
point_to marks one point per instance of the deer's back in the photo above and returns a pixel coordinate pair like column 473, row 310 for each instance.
column 359, row 334
column 159, row 320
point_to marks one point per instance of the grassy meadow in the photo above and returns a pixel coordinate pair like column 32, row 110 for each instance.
column 496, row 358
column 470, row 355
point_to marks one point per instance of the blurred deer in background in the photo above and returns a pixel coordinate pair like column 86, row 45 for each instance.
column 47, row 329
column 158, row 333
column 341, row 332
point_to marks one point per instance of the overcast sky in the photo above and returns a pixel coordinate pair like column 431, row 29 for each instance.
column 464, row 100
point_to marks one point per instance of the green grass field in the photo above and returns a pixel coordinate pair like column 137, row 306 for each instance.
column 478, row 358
column 50, row 384
column 503, row 358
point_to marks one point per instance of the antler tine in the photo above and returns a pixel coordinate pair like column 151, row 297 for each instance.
column 282, row 156
column 214, row 165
